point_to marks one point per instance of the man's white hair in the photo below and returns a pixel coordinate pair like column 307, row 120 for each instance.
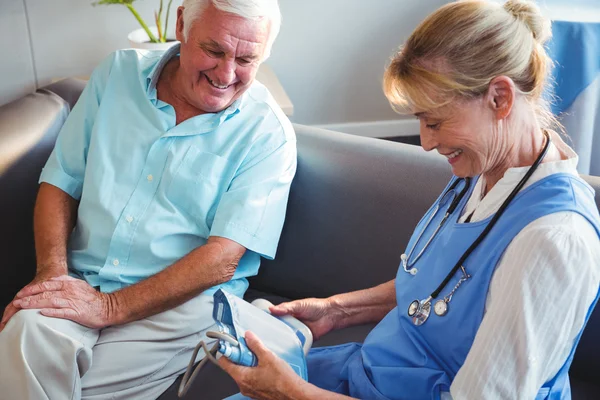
column 249, row 9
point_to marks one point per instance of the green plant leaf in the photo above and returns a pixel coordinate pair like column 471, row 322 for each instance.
column 129, row 5
column 167, row 19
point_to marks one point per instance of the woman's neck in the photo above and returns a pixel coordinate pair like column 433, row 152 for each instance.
column 522, row 150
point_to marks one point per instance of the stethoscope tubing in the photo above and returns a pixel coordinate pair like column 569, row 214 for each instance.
column 495, row 219
column 419, row 311
column 406, row 263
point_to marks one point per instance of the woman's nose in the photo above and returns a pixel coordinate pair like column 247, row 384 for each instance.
column 428, row 141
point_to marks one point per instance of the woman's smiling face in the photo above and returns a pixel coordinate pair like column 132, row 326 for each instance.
column 464, row 132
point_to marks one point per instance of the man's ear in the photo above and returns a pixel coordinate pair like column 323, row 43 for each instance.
column 501, row 96
column 179, row 25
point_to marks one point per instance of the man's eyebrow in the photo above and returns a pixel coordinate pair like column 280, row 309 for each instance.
column 250, row 57
column 212, row 45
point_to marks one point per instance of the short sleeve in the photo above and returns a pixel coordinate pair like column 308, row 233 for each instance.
column 252, row 211
column 66, row 165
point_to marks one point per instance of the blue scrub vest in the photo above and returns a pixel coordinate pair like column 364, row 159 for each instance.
column 399, row 360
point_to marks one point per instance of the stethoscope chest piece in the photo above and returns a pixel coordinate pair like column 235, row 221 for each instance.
column 413, row 308
column 419, row 311
column 412, row 270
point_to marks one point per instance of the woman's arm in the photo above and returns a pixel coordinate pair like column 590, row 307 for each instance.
column 537, row 303
column 364, row 306
column 343, row 310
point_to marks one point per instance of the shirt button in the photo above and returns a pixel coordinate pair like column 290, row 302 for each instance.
column 150, row 177
column 129, row 218
column 115, row 262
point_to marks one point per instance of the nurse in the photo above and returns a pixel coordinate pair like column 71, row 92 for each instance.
column 501, row 274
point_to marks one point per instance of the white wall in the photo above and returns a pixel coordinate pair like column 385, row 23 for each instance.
column 70, row 37
column 16, row 66
column 329, row 57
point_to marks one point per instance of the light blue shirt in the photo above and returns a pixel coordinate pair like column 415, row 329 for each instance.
column 151, row 191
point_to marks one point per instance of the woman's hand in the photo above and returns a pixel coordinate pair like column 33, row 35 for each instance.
column 320, row 315
column 271, row 379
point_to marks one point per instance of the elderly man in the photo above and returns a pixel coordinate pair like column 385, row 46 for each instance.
column 169, row 179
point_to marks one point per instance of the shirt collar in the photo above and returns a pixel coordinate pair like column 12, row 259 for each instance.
column 152, row 78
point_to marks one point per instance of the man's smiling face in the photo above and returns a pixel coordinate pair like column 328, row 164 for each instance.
column 220, row 57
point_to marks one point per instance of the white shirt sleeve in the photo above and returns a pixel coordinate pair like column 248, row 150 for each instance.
column 537, row 302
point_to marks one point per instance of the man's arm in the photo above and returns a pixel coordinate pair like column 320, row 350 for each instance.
column 204, row 267
column 54, row 217
column 65, row 297
column 254, row 202
column 208, row 265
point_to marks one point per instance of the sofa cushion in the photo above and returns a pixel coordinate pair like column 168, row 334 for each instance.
column 28, row 129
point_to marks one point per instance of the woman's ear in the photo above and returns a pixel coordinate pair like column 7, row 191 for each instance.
column 501, row 96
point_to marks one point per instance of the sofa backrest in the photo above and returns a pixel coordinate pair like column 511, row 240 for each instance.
column 28, row 129
column 353, row 205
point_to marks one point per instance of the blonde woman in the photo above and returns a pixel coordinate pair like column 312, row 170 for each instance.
column 498, row 280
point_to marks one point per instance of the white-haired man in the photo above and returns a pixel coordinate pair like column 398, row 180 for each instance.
column 169, row 179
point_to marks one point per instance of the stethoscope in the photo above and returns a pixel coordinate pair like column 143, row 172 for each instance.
column 419, row 310
column 407, row 265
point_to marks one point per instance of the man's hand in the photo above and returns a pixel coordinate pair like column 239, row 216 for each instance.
column 68, row 298
column 11, row 309
column 272, row 378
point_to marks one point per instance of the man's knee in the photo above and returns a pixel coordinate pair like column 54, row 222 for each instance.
column 31, row 323
column 32, row 344
column 20, row 322
column 19, row 331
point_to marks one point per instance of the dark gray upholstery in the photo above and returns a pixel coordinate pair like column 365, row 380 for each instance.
column 353, row 205
column 352, row 208
column 68, row 89
column 28, row 129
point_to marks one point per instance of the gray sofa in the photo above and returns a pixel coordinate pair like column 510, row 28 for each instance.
column 352, row 208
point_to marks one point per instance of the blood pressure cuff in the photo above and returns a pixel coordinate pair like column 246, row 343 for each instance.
column 235, row 316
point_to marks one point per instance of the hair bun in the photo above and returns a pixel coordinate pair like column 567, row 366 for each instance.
column 529, row 13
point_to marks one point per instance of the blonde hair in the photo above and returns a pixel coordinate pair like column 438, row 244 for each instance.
column 457, row 50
